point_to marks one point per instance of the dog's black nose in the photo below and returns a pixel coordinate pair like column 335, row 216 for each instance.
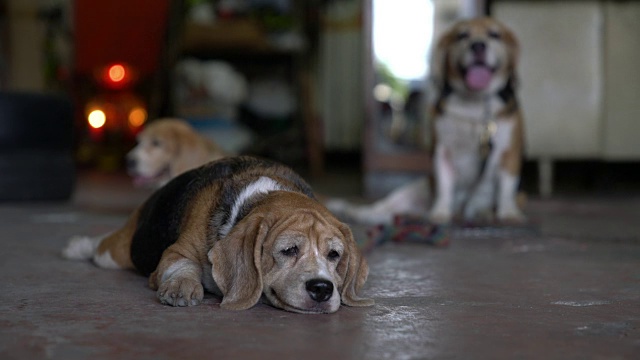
column 319, row 290
column 131, row 164
column 478, row 47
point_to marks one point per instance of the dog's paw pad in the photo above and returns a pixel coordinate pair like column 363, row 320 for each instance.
column 181, row 292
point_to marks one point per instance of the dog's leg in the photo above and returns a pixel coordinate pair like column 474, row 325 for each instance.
column 103, row 250
column 442, row 209
column 111, row 251
column 81, row 247
column 508, row 177
column 480, row 204
column 507, row 207
column 411, row 198
column 177, row 279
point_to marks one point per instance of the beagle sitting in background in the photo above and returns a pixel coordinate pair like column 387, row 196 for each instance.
column 242, row 228
column 166, row 148
column 477, row 133
column 478, row 128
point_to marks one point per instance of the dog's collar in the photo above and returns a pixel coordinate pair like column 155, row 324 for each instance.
column 465, row 110
column 486, row 122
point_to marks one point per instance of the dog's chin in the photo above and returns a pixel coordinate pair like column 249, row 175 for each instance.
column 310, row 307
column 160, row 178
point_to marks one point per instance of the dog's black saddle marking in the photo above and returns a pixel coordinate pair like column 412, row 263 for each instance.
column 161, row 215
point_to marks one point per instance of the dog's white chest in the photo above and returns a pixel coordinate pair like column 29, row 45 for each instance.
column 466, row 137
column 465, row 128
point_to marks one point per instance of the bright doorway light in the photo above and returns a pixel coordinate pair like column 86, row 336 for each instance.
column 402, row 36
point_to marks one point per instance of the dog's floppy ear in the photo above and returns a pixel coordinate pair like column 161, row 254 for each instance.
column 438, row 68
column 186, row 153
column 511, row 41
column 236, row 266
column 513, row 52
column 353, row 270
column 439, row 61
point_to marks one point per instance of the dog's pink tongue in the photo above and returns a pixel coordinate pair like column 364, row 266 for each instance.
column 478, row 77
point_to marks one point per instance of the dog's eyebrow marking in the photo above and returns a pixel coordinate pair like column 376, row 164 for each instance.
column 263, row 185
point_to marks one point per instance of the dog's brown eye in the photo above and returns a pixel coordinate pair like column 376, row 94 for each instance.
column 494, row 34
column 155, row 142
column 290, row 251
column 463, row 35
column 333, row 255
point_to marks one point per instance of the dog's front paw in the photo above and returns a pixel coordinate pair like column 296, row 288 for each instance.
column 513, row 215
column 440, row 216
column 181, row 292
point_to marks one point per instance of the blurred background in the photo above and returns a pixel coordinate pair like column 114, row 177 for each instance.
column 329, row 87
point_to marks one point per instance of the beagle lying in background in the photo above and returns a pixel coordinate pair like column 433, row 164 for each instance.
column 477, row 131
column 166, row 148
column 242, row 228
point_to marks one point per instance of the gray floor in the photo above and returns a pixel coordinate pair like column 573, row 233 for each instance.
column 572, row 292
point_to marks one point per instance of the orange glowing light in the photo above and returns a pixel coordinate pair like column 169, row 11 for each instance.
column 137, row 117
column 117, row 73
column 97, row 118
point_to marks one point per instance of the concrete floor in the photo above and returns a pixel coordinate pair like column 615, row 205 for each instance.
column 571, row 292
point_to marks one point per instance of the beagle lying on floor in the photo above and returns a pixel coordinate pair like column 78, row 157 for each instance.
column 166, row 148
column 240, row 227
column 477, row 130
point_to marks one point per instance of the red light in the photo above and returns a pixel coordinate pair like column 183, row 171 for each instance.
column 116, row 76
column 117, row 73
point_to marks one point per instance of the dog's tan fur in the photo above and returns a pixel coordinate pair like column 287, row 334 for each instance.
column 166, row 148
column 252, row 256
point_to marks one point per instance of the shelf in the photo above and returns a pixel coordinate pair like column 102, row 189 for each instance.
column 225, row 38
